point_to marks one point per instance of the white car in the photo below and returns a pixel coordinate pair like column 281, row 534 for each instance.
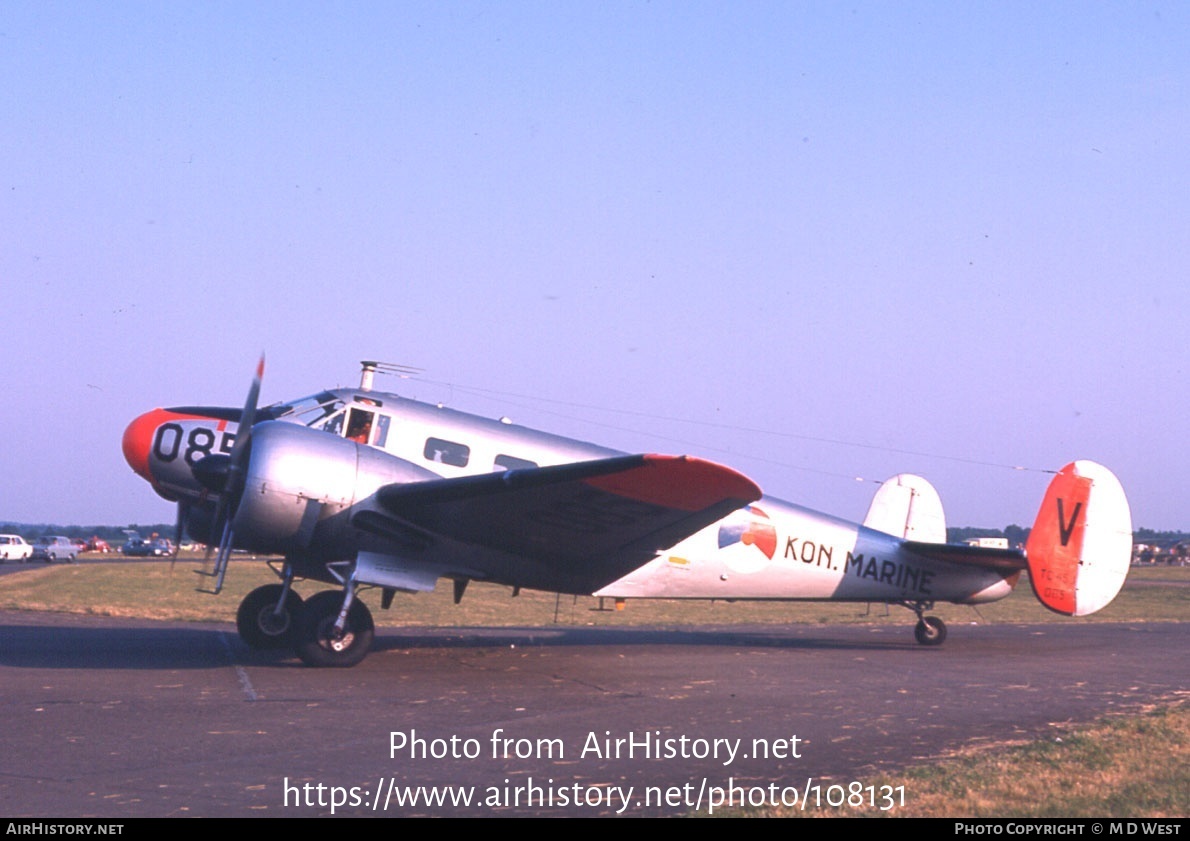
column 54, row 548
column 14, row 548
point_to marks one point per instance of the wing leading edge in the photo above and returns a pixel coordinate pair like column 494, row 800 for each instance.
column 575, row 526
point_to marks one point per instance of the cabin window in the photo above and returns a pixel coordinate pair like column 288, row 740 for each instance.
column 447, row 452
column 513, row 463
column 382, row 422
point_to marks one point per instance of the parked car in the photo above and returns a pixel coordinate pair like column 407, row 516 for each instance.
column 138, row 547
column 161, row 548
column 14, row 548
column 54, row 548
column 135, row 546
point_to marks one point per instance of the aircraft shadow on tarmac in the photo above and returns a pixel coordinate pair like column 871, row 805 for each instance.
column 172, row 647
column 559, row 637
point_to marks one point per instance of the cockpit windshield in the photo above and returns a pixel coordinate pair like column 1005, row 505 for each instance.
column 308, row 411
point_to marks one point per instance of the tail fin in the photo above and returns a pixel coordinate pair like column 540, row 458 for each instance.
column 1081, row 543
column 908, row 506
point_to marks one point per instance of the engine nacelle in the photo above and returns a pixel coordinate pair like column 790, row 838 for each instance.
column 300, row 480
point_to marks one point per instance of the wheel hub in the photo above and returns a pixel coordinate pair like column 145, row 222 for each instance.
column 272, row 623
column 333, row 641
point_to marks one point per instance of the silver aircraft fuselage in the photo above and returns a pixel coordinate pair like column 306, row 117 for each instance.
column 315, row 503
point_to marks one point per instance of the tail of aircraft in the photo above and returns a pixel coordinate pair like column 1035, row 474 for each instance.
column 908, row 506
column 1080, row 547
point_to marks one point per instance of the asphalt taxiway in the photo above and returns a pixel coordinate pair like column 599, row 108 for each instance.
column 130, row 718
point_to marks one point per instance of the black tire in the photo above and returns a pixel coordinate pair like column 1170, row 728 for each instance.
column 930, row 630
column 316, row 645
column 257, row 624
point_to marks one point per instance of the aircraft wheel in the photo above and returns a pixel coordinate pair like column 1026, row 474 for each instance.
column 259, row 627
column 317, row 643
column 930, row 630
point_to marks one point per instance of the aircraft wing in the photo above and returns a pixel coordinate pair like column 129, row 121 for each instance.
column 580, row 525
column 974, row 556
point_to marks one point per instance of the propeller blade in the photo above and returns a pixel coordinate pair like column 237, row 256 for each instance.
column 179, row 532
column 248, row 416
column 227, row 477
column 214, row 535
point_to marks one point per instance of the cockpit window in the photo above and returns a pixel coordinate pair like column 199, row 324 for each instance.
column 309, row 411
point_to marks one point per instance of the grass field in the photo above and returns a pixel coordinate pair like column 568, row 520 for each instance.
column 159, row 590
column 1128, row 767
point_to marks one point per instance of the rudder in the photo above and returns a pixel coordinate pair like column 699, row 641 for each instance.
column 1081, row 544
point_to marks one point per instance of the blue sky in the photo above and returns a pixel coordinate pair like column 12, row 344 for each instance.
column 815, row 241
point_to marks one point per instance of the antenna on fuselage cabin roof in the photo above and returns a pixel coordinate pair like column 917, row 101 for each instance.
column 371, row 368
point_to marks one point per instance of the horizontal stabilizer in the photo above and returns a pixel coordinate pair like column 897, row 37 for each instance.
column 1007, row 560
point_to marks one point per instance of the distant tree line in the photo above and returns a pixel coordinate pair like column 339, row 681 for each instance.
column 114, row 535
column 1159, row 538
column 1017, row 535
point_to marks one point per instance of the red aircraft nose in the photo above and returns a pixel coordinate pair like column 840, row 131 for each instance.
column 138, row 440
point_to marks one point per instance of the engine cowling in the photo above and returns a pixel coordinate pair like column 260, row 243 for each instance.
column 302, row 483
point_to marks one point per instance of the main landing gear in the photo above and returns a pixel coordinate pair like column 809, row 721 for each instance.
column 323, row 631
column 929, row 630
column 268, row 617
column 334, row 633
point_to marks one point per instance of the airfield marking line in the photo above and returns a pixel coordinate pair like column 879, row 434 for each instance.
column 241, row 674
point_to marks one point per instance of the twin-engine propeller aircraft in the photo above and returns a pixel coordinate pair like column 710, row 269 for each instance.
column 363, row 489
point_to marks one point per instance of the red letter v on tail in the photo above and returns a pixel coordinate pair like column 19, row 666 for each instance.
column 1081, row 543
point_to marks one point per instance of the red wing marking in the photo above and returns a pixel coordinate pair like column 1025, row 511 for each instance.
column 678, row 482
